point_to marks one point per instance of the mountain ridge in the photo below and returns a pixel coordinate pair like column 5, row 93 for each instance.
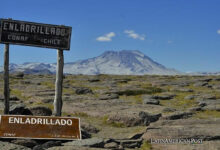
column 124, row 62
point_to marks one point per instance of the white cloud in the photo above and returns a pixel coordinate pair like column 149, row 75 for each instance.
column 134, row 35
column 218, row 31
column 106, row 38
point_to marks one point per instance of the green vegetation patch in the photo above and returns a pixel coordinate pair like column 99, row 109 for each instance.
column 146, row 146
column 48, row 84
column 137, row 99
column 149, row 90
column 19, row 94
column 112, row 123
column 179, row 102
column 68, row 91
column 207, row 114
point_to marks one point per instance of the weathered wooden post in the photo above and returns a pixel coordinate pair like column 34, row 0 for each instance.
column 59, row 84
column 40, row 35
column 6, row 79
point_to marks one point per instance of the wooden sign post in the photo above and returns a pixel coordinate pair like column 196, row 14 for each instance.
column 35, row 34
column 40, row 127
column 41, row 35
column 59, row 84
column 6, row 79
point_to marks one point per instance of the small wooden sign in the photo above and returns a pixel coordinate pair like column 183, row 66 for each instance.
column 39, row 127
column 35, row 34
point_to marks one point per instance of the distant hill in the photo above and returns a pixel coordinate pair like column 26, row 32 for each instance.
column 125, row 62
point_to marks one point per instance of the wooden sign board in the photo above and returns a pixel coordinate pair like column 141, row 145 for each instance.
column 35, row 34
column 39, row 127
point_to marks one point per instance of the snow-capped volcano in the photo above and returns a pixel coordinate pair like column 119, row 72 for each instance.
column 125, row 62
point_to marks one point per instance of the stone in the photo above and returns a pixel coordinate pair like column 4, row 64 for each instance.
column 20, row 109
column 136, row 136
column 211, row 108
column 189, row 97
column 166, row 96
column 41, row 111
column 25, row 82
column 148, row 118
column 205, row 129
column 149, row 100
column 206, row 102
column 193, row 109
column 207, row 80
column 1, row 97
column 132, row 90
column 111, row 145
column 25, row 142
column 51, row 144
column 89, row 128
column 11, row 146
column 14, row 98
column 207, row 96
column 202, row 104
column 216, row 79
column 94, row 80
column 109, row 96
column 19, row 75
column 85, row 134
column 130, row 143
column 47, row 100
column 216, row 87
column 178, row 115
column 205, row 145
column 83, row 90
column 128, row 119
column 38, row 147
column 198, row 84
column 182, row 90
column 75, row 148
column 92, row 142
column 122, row 80
column 167, row 109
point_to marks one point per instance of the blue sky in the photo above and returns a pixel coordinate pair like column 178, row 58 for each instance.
column 180, row 34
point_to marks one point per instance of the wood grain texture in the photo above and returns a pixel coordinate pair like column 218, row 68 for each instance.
column 10, row 128
column 59, row 84
column 6, row 79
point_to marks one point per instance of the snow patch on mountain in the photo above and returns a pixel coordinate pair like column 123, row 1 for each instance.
column 125, row 62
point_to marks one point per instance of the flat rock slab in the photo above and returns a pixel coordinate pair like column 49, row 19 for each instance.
column 93, row 142
column 25, row 142
column 10, row 146
column 74, row 148
column 206, row 145
column 164, row 96
column 19, row 109
column 111, row 145
column 209, row 101
column 130, row 119
column 130, row 143
column 109, row 96
column 178, row 115
column 40, row 111
column 211, row 108
column 149, row 100
column 184, row 128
